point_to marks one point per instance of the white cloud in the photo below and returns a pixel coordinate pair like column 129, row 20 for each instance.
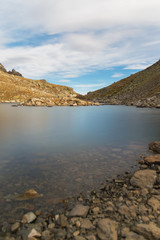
column 64, row 80
column 117, row 75
column 93, row 34
column 89, row 85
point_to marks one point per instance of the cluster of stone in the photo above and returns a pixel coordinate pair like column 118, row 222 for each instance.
column 126, row 208
column 13, row 72
column 58, row 101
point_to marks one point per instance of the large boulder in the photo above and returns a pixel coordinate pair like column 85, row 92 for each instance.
column 155, row 146
column 144, row 178
column 149, row 231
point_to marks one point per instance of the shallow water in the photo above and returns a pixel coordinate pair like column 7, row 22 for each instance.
column 62, row 151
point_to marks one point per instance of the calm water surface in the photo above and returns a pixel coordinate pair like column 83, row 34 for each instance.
column 62, row 151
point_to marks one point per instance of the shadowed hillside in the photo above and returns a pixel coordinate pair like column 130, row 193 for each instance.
column 140, row 89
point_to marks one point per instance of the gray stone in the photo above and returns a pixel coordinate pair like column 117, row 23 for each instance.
column 29, row 217
column 144, row 178
column 107, row 229
column 79, row 211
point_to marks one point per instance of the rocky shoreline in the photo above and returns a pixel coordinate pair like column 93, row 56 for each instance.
column 126, row 208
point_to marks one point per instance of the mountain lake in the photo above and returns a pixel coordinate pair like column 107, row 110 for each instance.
column 63, row 151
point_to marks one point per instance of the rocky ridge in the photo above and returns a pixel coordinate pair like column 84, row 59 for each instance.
column 141, row 89
column 126, row 208
column 27, row 92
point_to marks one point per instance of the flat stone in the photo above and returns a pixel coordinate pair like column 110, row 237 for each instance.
column 86, row 223
column 29, row 217
column 155, row 146
column 153, row 159
column 107, row 229
column 144, row 178
column 79, row 211
column 34, row 233
column 149, row 231
column 15, row 227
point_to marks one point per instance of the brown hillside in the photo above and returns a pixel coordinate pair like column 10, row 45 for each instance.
column 141, row 85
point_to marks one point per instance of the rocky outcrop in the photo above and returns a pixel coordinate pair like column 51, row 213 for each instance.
column 126, row 208
column 57, row 101
column 2, row 68
column 14, row 72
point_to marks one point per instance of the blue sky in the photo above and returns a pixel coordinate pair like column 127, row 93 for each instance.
column 83, row 44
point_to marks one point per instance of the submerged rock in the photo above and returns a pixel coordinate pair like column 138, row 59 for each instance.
column 155, row 146
column 28, row 195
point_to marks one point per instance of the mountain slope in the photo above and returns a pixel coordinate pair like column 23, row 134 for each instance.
column 141, row 87
column 14, row 88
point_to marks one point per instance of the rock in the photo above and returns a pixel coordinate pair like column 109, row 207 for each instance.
column 76, row 233
column 15, row 227
column 79, row 211
column 2, row 68
column 134, row 236
column 107, row 229
column 144, row 178
column 29, row 217
column 128, row 212
column 155, row 146
column 149, row 231
column 153, row 159
column 34, row 233
column 79, row 238
column 154, row 203
column 86, row 223
column 28, row 195
column 91, row 237
column 14, row 72
column 46, row 235
column 95, row 210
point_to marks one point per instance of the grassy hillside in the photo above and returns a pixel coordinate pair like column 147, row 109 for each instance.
column 21, row 89
column 143, row 84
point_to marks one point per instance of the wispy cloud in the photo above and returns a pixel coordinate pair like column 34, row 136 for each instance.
column 89, row 85
column 117, row 75
column 64, row 80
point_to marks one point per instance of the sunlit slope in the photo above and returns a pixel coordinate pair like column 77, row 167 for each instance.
column 21, row 89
